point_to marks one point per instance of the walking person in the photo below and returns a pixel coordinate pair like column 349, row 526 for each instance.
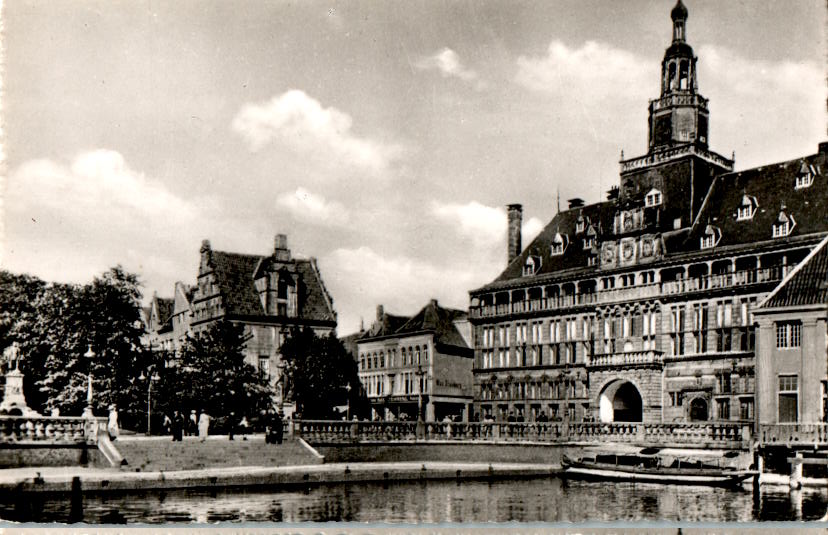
column 192, row 424
column 177, row 426
column 278, row 427
column 203, row 426
column 112, row 423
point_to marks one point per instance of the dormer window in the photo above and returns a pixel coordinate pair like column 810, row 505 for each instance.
column 711, row 237
column 559, row 243
column 592, row 260
column 747, row 208
column 589, row 242
column 532, row 265
column 653, row 198
column 784, row 225
column 805, row 176
column 580, row 225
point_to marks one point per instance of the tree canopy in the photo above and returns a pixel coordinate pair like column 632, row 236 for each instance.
column 318, row 371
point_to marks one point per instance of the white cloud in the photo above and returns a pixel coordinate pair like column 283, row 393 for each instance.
column 300, row 122
column 485, row 225
column 361, row 278
column 595, row 71
column 448, row 63
column 309, row 207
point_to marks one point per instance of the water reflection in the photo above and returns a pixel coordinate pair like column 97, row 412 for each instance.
column 536, row 500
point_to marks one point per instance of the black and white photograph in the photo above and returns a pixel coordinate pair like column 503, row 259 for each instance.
column 375, row 266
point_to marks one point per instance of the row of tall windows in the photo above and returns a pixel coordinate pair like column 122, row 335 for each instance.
column 731, row 334
column 534, row 390
column 408, row 356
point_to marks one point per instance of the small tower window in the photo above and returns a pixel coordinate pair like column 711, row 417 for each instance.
column 784, row 225
column 711, row 237
column 653, row 198
column 805, row 176
column 747, row 208
column 558, row 245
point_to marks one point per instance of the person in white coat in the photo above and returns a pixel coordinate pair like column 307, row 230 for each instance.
column 203, row 426
column 112, row 423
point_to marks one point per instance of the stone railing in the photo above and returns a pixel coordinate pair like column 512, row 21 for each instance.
column 50, row 429
column 669, row 154
column 793, row 434
column 629, row 359
column 732, row 435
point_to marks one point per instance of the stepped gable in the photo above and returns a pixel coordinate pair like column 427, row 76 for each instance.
column 774, row 189
column 235, row 276
column 165, row 309
column 807, row 284
column 599, row 216
column 440, row 321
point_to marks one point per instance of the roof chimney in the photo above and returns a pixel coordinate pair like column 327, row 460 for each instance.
column 612, row 193
column 823, row 147
column 280, row 248
column 434, row 303
column 577, row 202
column 515, row 212
column 380, row 313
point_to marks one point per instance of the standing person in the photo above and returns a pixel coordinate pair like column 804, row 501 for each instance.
column 177, row 426
column 192, row 424
column 203, row 426
column 231, row 425
column 112, row 424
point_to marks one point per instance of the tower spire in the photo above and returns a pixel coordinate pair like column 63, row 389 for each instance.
column 679, row 16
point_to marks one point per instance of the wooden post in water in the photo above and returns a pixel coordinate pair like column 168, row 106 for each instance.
column 76, row 507
column 796, row 471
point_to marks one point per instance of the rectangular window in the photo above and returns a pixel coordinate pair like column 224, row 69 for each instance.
column 744, row 212
column 824, row 401
column 746, row 408
column 788, row 398
column 723, row 406
column 676, row 399
column 724, row 383
column 700, row 327
column 788, row 334
column 264, row 366
column 677, row 314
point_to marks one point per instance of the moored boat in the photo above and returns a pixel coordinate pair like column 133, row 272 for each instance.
column 653, row 466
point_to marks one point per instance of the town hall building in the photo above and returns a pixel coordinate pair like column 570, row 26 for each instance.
column 642, row 307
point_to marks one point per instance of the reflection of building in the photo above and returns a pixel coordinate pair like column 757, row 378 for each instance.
column 792, row 345
column 423, row 360
column 268, row 295
column 641, row 307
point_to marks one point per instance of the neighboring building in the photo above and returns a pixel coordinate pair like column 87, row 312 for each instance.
column 640, row 308
column 792, row 345
column 268, row 295
column 157, row 324
column 423, row 361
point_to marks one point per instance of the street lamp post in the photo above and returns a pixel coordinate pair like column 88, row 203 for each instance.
column 90, row 355
column 348, row 399
column 419, row 373
column 151, row 379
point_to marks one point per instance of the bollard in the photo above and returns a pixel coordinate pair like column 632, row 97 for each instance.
column 76, row 507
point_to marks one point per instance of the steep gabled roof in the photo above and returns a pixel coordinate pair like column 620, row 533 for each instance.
column 385, row 326
column 807, row 284
column 235, row 278
column 439, row 320
column 773, row 187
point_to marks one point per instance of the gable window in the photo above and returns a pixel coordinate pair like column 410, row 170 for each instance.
column 788, row 334
column 558, row 244
column 589, row 242
column 805, row 176
column 264, row 366
column 580, row 224
column 784, row 225
column 653, row 198
column 747, row 208
column 532, row 265
column 711, row 237
column 592, row 260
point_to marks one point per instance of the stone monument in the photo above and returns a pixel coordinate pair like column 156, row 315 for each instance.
column 13, row 401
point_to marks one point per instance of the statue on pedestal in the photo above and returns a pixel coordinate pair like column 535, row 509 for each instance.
column 13, row 401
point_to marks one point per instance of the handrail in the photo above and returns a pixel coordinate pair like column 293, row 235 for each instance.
column 53, row 429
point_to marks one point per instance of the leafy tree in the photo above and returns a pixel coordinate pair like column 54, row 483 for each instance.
column 210, row 373
column 318, row 370
column 18, row 295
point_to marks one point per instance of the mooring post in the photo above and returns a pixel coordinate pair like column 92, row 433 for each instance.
column 76, row 507
column 796, row 471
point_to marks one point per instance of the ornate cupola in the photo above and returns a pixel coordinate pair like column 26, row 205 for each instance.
column 679, row 116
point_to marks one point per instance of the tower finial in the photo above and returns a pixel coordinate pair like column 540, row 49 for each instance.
column 679, row 16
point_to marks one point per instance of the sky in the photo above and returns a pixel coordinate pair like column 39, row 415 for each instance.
column 384, row 138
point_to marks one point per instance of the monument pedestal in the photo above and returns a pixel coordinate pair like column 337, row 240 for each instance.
column 13, row 400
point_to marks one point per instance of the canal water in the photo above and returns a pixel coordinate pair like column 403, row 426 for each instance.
column 532, row 500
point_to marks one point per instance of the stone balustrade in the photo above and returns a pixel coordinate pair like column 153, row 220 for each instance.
column 625, row 360
column 793, row 434
column 731, row 435
column 704, row 283
column 49, row 429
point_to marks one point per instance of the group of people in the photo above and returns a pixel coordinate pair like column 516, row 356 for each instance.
column 178, row 425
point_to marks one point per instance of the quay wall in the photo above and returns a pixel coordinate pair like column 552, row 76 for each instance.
column 16, row 455
column 538, row 453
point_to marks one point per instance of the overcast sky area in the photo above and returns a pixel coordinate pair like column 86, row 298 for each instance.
column 384, row 138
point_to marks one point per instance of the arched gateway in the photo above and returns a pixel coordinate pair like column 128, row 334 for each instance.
column 620, row 401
